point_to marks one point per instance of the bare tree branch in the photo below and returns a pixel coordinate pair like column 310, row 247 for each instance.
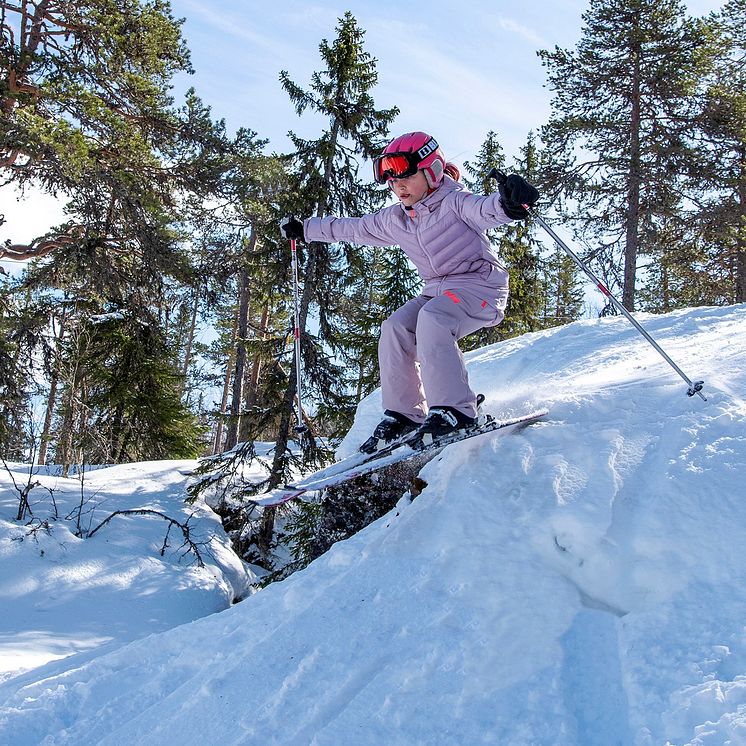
column 42, row 246
column 185, row 530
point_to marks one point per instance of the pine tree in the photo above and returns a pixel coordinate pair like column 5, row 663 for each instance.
column 323, row 180
column 621, row 97
column 91, row 119
column 489, row 156
column 384, row 281
column 92, row 109
column 718, row 181
column 327, row 182
column 562, row 291
column 22, row 343
column 522, row 255
column 131, row 394
column 243, row 270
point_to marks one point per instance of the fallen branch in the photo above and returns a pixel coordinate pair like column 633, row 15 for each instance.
column 24, row 507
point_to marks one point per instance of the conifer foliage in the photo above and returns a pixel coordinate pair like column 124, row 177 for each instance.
column 719, row 172
column 323, row 179
column 621, row 100
column 324, row 175
column 87, row 115
column 171, row 227
column 515, row 244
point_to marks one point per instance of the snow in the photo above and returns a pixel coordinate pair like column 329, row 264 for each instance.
column 580, row 582
column 63, row 594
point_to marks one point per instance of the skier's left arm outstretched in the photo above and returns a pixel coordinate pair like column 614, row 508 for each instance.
column 504, row 206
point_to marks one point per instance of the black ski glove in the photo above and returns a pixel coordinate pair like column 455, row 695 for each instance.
column 514, row 194
column 292, row 228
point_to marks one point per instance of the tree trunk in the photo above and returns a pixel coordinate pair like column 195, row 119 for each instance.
column 369, row 309
column 283, row 436
column 217, row 445
column 52, row 398
column 242, row 334
column 46, row 430
column 315, row 252
column 633, row 193
column 70, row 408
column 118, row 440
column 66, row 434
column 741, row 234
column 252, row 388
column 190, row 340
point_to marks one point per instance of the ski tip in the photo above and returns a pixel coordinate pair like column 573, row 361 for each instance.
column 526, row 418
column 277, row 497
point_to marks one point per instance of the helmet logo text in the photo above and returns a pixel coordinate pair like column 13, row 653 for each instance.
column 429, row 147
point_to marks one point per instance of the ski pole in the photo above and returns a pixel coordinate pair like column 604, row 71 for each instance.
column 300, row 427
column 694, row 387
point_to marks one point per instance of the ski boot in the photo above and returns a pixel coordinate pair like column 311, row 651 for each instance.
column 444, row 421
column 392, row 427
column 441, row 422
column 482, row 417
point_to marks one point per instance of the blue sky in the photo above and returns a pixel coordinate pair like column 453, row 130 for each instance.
column 454, row 69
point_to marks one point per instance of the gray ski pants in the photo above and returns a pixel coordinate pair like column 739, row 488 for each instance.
column 420, row 362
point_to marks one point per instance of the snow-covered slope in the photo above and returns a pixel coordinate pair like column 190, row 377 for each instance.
column 583, row 582
column 61, row 594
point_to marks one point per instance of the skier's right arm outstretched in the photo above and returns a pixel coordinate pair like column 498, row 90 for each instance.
column 368, row 230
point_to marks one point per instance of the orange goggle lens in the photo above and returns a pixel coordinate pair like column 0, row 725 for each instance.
column 394, row 166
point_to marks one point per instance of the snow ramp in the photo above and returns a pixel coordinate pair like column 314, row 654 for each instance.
column 581, row 582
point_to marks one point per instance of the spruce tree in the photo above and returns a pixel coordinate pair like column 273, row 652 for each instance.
column 383, row 281
column 521, row 251
column 616, row 136
column 562, row 292
column 327, row 181
column 130, row 391
column 322, row 179
column 718, row 180
column 243, row 271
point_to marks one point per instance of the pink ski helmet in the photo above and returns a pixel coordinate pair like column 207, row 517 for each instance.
column 404, row 156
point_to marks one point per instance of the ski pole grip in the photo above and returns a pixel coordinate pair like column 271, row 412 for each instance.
column 497, row 175
column 501, row 178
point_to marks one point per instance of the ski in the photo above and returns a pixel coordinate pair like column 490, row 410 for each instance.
column 358, row 465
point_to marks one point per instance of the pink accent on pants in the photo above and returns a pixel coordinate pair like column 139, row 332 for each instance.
column 420, row 362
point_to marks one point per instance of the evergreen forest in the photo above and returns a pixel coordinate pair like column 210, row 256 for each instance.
column 172, row 230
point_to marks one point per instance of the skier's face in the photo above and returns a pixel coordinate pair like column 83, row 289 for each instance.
column 411, row 189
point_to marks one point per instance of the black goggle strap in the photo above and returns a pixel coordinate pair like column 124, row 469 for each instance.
column 429, row 147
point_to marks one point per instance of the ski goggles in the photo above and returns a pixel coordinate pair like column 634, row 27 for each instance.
column 394, row 166
column 401, row 165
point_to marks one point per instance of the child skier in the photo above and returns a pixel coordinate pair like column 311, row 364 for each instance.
column 440, row 227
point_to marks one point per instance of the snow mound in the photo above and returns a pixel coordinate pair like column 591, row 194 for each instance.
column 582, row 582
column 63, row 594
